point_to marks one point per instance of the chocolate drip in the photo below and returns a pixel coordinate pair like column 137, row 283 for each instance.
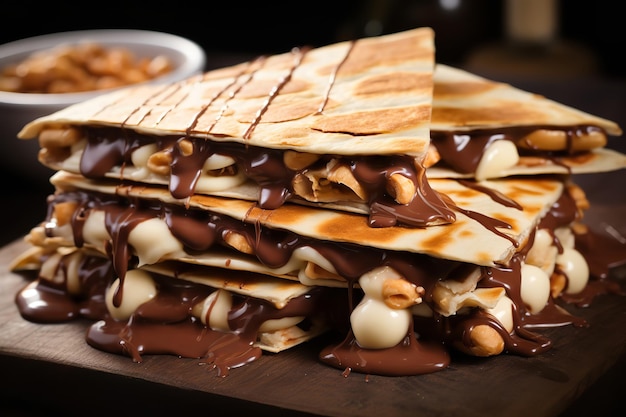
column 561, row 214
column 203, row 230
column 462, row 151
column 491, row 224
column 47, row 301
column 425, row 208
column 520, row 341
column 409, row 357
column 231, row 95
column 186, row 169
column 120, row 220
column 163, row 325
column 108, row 147
column 333, row 77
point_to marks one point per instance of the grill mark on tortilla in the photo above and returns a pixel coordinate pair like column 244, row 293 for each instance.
column 300, row 53
column 175, row 88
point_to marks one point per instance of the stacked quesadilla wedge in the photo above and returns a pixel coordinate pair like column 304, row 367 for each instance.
column 260, row 205
column 345, row 126
column 486, row 129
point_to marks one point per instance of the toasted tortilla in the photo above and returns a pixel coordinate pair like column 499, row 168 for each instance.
column 468, row 239
column 314, row 110
column 371, row 96
column 550, row 136
column 465, row 101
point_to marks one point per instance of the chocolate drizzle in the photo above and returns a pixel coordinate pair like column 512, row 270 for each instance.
column 495, row 195
column 299, row 55
column 109, row 147
column 333, row 77
column 156, row 324
column 249, row 75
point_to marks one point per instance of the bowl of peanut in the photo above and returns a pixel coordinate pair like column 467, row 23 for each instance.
column 43, row 74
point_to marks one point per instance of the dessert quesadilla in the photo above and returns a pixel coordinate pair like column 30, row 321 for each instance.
column 345, row 126
column 486, row 129
column 464, row 273
column 172, row 216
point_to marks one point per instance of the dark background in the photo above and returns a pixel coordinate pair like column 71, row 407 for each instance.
column 260, row 27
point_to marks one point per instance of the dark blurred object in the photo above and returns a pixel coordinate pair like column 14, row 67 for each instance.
column 459, row 25
column 532, row 46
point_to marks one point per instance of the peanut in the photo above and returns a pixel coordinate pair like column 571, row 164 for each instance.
column 298, row 160
column 485, row 341
column 401, row 188
column 186, row 147
column 400, row 294
column 554, row 140
column 159, row 162
column 238, row 241
column 80, row 67
column 62, row 137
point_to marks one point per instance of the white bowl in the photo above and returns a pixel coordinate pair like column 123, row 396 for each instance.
column 16, row 109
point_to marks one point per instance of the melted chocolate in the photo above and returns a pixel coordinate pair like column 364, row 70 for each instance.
column 109, row 147
column 409, row 357
column 165, row 326
column 462, row 151
column 44, row 301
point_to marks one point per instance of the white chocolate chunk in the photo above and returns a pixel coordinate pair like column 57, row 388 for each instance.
column 153, row 241
column 375, row 325
column 139, row 158
column 566, row 236
column 503, row 312
column 543, row 252
column 214, row 310
column 421, row 310
column 534, row 288
column 94, row 229
column 76, row 151
column 216, row 161
column 575, row 267
column 72, row 264
column 278, row 324
column 211, row 183
column 499, row 155
column 139, row 287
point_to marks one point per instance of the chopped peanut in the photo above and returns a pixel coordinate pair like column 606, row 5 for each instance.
column 84, row 66
column 400, row 293
column 401, row 188
column 159, row 162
